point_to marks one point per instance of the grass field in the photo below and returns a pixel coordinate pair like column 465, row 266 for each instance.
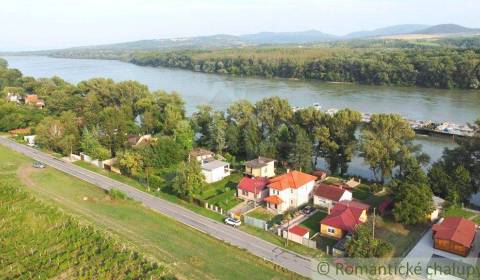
column 191, row 254
column 170, row 197
column 402, row 237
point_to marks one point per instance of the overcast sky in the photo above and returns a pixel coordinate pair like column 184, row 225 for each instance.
column 46, row 24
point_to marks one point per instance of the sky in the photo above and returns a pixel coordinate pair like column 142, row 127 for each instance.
column 52, row 24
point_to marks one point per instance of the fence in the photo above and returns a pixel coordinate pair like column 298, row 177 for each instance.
column 214, row 208
column 298, row 239
column 255, row 222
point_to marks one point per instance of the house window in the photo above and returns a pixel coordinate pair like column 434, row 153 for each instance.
column 244, row 192
column 331, row 230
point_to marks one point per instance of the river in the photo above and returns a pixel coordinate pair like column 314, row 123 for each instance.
column 219, row 91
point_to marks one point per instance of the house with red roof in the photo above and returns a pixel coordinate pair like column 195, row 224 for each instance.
column 289, row 190
column 328, row 195
column 254, row 189
column 454, row 235
column 297, row 234
column 344, row 218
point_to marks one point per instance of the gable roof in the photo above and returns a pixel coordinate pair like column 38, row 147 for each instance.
column 344, row 216
column 293, row 179
column 299, row 230
column 258, row 162
column 330, row 192
column 255, row 185
column 456, row 229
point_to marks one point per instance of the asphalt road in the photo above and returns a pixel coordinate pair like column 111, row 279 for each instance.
column 263, row 249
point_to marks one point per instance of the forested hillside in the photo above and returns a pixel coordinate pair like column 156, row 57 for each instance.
column 426, row 67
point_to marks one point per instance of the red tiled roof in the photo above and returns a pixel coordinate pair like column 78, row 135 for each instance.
column 299, row 230
column 274, row 199
column 344, row 216
column 293, row 179
column 330, row 192
column 254, row 185
column 456, row 229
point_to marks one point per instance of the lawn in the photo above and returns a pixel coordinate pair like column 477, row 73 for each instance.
column 361, row 192
column 193, row 254
column 223, row 193
column 402, row 237
column 262, row 214
column 458, row 212
column 313, row 222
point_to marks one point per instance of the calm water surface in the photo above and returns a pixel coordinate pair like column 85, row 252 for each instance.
column 219, row 91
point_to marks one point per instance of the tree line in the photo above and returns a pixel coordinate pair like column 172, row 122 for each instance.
column 426, row 67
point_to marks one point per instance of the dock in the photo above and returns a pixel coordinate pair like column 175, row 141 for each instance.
column 424, row 127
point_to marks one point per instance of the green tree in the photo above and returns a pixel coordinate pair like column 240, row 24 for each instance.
column 183, row 134
column 92, row 147
column 386, row 142
column 189, row 180
column 301, row 152
column 336, row 138
column 412, row 194
column 59, row 134
column 363, row 245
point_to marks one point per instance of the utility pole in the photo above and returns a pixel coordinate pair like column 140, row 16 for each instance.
column 373, row 224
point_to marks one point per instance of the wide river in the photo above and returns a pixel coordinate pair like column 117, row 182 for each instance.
column 219, row 91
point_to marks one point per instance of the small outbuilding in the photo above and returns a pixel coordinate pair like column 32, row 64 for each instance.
column 454, row 235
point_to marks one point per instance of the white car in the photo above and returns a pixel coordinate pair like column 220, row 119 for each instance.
column 233, row 222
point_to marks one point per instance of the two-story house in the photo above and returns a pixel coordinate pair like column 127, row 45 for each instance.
column 289, row 190
column 260, row 167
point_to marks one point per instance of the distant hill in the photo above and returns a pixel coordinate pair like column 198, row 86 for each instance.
column 406, row 33
column 387, row 31
column 447, row 29
column 288, row 37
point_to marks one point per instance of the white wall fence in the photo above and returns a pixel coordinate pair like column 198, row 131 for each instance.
column 215, row 208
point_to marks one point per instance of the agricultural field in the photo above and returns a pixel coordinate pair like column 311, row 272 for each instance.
column 39, row 241
column 185, row 251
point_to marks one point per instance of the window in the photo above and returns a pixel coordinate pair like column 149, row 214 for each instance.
column 244, row 192
column 331, row 230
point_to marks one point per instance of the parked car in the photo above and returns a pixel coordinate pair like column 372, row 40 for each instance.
column 308, row 209
column 38, row 164
column 233, row 222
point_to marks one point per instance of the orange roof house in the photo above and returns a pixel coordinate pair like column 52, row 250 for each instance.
column 344, row 218
column 294, row 179
column 290, row 190
column 454, row 235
